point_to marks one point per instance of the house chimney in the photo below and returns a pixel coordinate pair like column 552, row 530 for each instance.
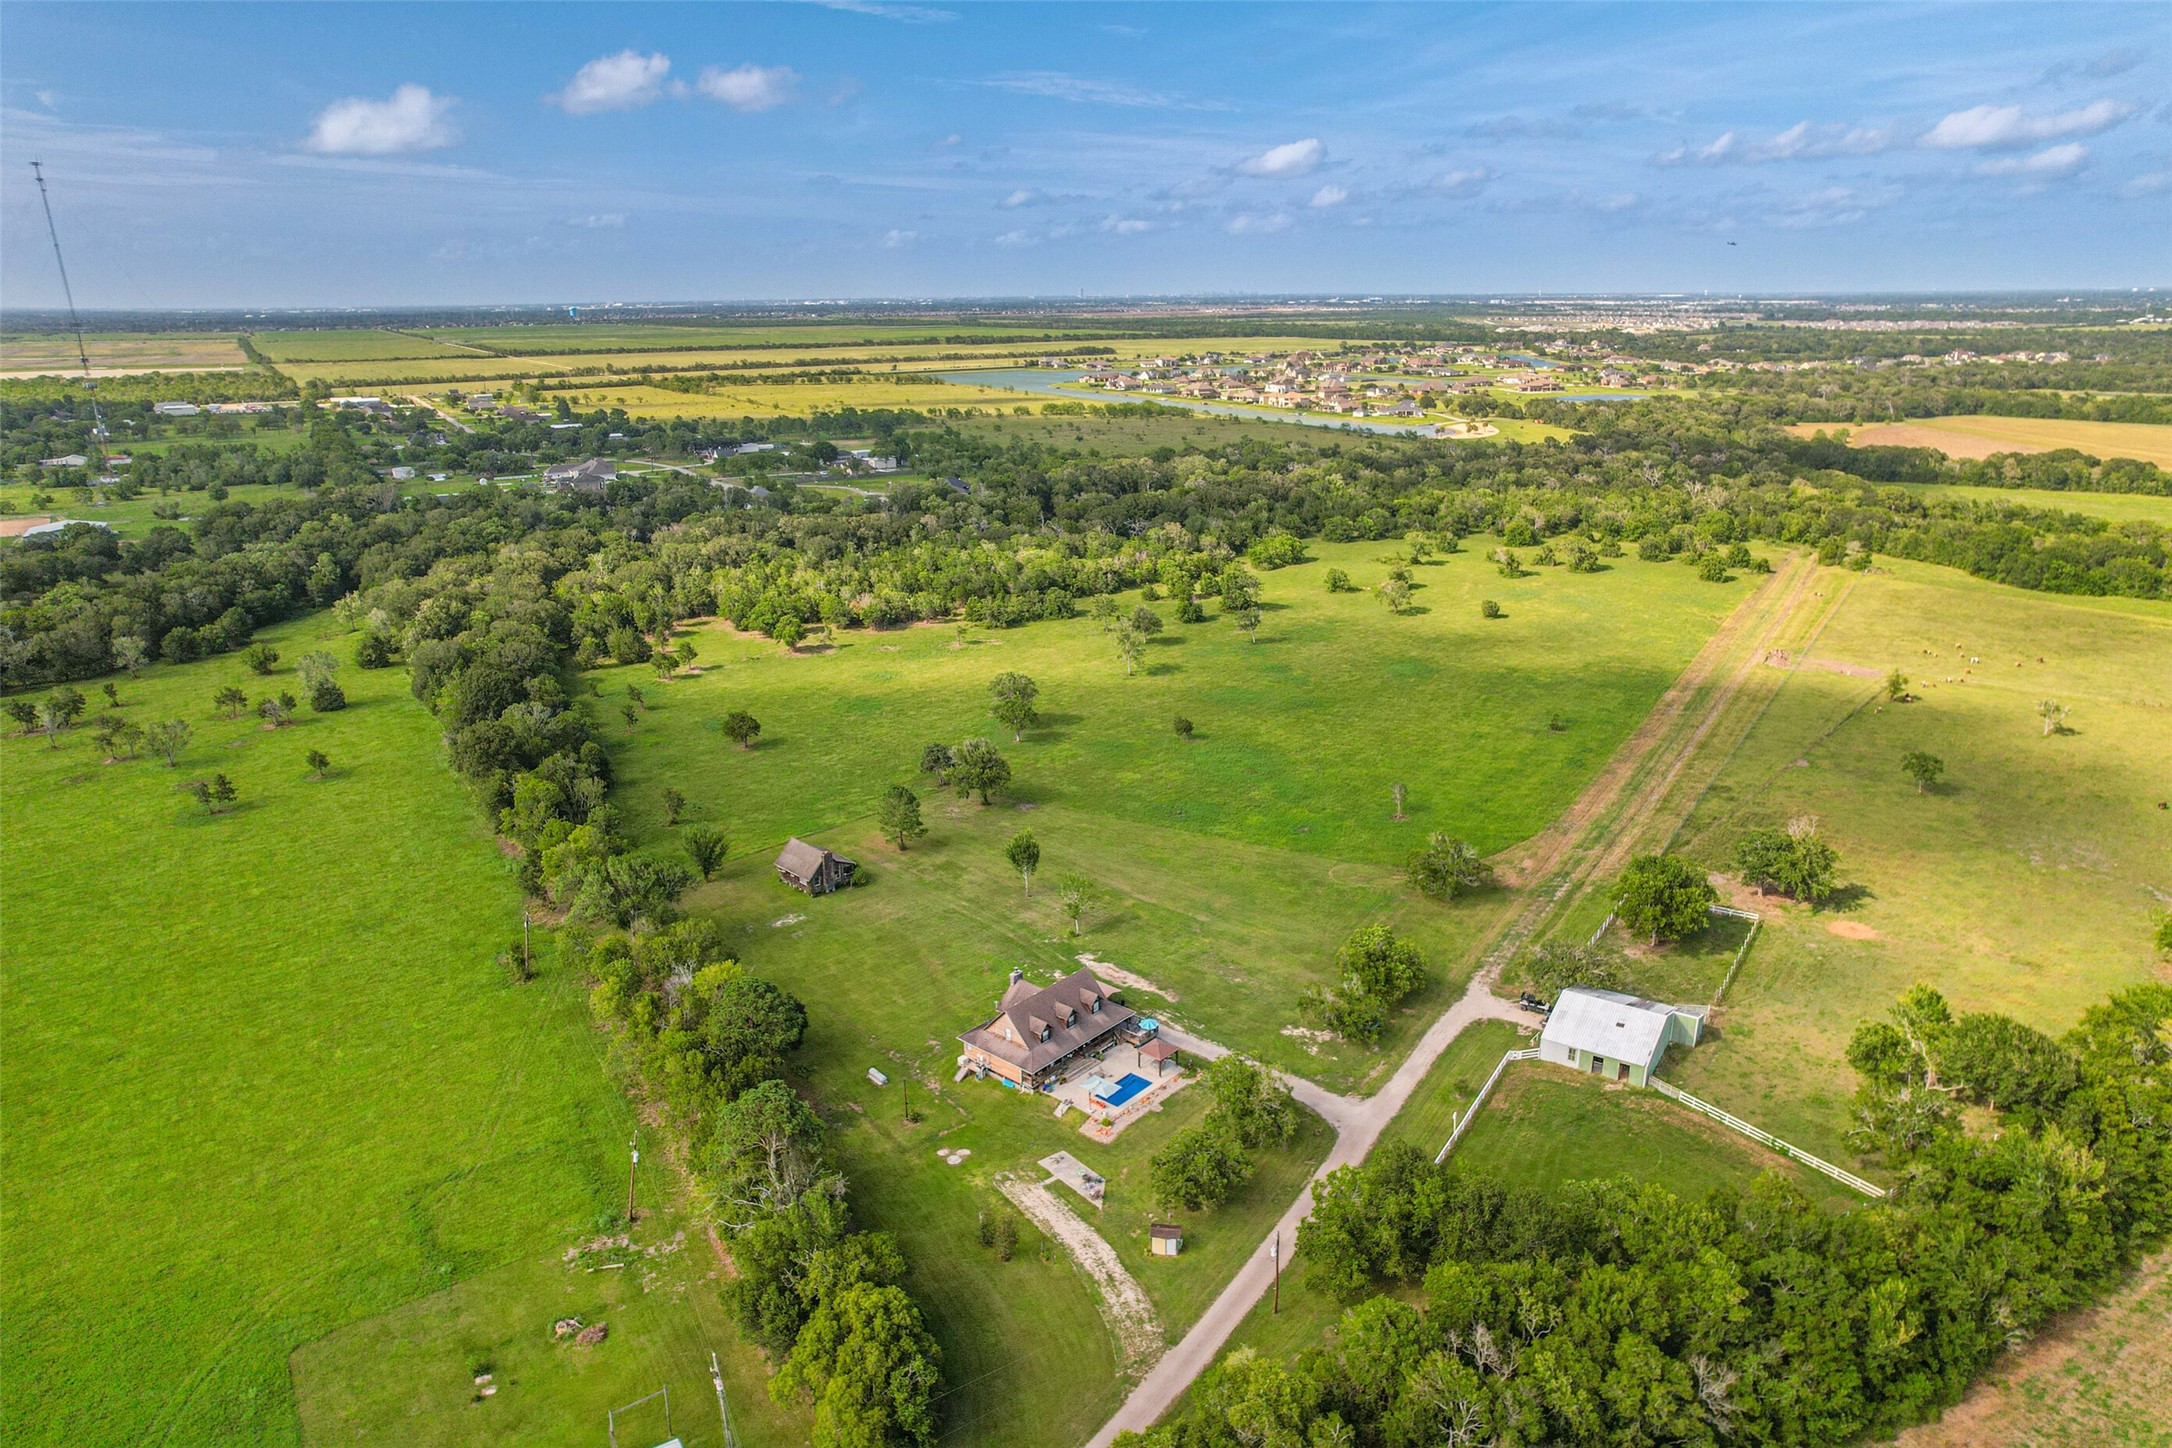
column 1017, row 975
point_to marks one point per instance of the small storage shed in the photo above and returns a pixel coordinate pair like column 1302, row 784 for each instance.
column 1613, row 1035
column 1166, row 1240
column 812, row 868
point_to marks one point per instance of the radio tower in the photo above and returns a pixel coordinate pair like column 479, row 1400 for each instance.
column 82, row 354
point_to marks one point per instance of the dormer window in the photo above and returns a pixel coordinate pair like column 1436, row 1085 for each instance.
column 1070, row 1019
column 1094, row 1005
column 1046, row 1033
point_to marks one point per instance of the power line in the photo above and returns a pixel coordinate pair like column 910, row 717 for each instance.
column 82, row 353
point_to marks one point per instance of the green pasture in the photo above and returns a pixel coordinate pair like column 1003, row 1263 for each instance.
column 264, row 1076
column 358, row 345
column 1546, row 1124
column 2024, row 883
column 411, row 1373
column 577, row 337
column 2117, row 507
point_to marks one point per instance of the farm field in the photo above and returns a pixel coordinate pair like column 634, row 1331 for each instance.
column 31, row 353
column 308, row 1095
column 1980, row 437
column 734, row 398
column 2118, row 507
column 579, row 337
column 2024, row 883
column 352, row 346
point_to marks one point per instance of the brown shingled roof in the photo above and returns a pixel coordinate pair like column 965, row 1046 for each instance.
column 1027, row 1009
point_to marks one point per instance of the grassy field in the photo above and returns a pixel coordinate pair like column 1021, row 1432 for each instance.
column 361, row 345
column 733, row 398
column 2024, row 883
column 1978, row 437
column 1546, row 1124
column 2118, row 507
column 36, row 352
column 410, row 1373
column 576, row 337
column 264, row 1077
column 1287, row 779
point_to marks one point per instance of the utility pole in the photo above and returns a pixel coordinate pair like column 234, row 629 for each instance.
column 82, row 353
column 635, row 1147
column 527, row 962
column 1276, row 1253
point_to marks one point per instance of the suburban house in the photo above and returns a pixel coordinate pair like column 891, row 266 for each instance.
column 812, row 868
column 1613, row 1035
column 588, row 477
column 1037, row 1029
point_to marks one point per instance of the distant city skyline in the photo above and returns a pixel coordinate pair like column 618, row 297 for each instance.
column 433, row 155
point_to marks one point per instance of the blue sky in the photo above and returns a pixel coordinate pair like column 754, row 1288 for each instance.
column 275, row 155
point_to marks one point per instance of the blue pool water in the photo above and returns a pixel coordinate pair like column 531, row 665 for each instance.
column 1127, row 1088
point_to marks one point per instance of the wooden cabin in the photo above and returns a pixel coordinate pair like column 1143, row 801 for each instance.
column 812, row 868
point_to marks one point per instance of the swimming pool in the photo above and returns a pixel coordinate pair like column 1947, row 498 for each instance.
column 1127, row 1088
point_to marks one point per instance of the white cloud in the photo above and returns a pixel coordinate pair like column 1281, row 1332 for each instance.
column 411, row 120
column 1253, row 223
column 599, row 221
column 1330, row 196
column 1057, row 85
column 1799, row 142
column 2147, row 184
column 1463, row 182
column 2048, row 164
column 1015, row 238
column 896, row 238
column 1125, row 225
column 1023, row 196
column 2009, row 127
column 1832, row 206
column 903, row 14
column 749, row 87
column 1294, row 158
column 618, row 82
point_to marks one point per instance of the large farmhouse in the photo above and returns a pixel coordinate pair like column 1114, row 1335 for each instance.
column 1613, row 1035
column 1038, row 1029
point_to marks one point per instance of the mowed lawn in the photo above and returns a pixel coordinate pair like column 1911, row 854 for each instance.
column 1545, row 1124
column 2024, row 883
column 262, row 1074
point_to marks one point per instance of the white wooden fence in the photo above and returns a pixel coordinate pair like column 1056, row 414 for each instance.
column 1756, row 922
column 1463, row 1122
column 1845, row 1178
